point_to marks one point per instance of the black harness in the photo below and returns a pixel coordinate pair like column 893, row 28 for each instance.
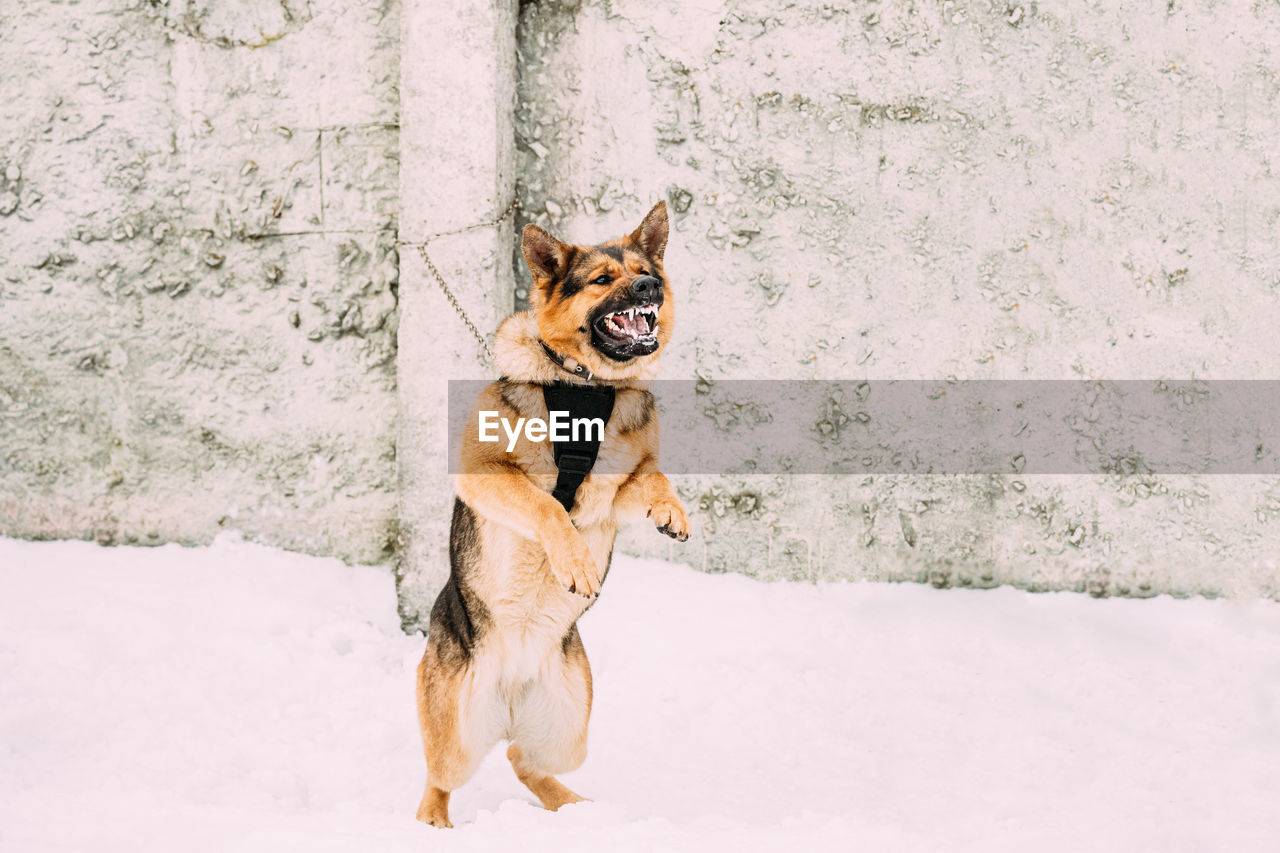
column 575, row 459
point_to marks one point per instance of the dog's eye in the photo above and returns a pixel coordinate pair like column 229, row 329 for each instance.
column 604, row 279
column 645, row 273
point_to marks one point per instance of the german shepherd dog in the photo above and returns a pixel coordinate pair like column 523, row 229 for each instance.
column 504, row 659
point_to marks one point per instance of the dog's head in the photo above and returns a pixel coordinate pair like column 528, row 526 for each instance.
column 607, row 306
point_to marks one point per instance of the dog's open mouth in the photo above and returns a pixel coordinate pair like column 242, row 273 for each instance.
column 631, row 324
column 628, row 332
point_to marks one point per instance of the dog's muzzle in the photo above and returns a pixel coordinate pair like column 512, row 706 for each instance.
column 624, row 331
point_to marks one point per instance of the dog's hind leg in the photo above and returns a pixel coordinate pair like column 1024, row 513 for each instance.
column 434, row 808
column 549, row 724
column 549, row 790
column 454, row 737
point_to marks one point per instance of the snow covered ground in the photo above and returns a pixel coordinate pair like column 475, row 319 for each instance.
column 246, row 699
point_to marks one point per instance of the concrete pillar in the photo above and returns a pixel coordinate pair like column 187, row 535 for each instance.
column 457, row 90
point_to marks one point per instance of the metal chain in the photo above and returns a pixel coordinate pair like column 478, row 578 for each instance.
column 444, row 286
column 453, row 300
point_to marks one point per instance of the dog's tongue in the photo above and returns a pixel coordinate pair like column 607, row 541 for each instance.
column 633, row 326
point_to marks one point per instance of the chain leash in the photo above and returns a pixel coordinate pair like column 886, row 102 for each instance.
column 421, row 246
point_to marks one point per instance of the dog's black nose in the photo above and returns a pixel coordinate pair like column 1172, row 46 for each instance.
column 645, row 286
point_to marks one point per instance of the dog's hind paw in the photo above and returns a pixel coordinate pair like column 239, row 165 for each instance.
column 434, row 808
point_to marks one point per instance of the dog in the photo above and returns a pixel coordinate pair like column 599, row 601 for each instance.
column 504, row 659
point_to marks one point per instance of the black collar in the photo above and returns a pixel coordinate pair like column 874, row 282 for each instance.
column 570, row 365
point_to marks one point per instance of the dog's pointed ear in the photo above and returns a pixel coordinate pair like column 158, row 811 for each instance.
column 545, row 255
column 651, row 236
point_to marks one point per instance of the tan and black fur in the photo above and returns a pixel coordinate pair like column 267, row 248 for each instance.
column 504, row 659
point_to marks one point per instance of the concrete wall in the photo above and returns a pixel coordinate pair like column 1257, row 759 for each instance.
column 198, row 271
column 199, row 282
column 924, row 190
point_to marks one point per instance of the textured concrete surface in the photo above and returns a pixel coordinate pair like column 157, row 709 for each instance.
column 199, row 281
column 198, row 271
column 457, row 93
column 953, row 189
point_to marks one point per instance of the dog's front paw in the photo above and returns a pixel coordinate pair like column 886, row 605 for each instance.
column 670, row 518
column 575, row 568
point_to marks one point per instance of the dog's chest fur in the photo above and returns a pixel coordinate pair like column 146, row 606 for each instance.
column 619, row 456
column 528, row 613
